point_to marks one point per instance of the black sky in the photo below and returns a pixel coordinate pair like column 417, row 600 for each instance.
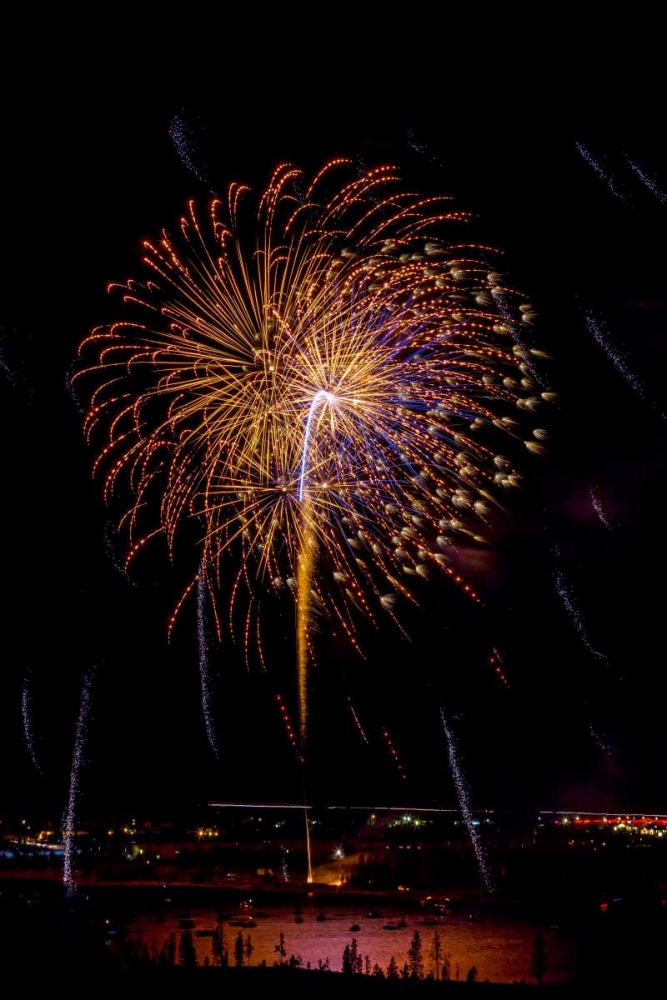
column 88, row 181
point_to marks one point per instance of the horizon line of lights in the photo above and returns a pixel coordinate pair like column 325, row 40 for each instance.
column 605, row 817
column 621, row 821
column 258, row 805
column 609, row 816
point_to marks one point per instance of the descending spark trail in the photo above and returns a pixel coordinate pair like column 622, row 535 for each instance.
column 358, row 724
column 186, row 147
column 600, row 742
column 496, row 662
column 110, row 544
column 77, row 761
column 599, row 331
column 565, row 591
column 7, row 370
column 598, row 508
column 204, row 668
column 289, row 728
column 394, row 753
column 602, row 174
column 28, row 727
column 464, row 804
column 647, row 181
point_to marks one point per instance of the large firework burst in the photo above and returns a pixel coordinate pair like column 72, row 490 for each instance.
column 325, row 390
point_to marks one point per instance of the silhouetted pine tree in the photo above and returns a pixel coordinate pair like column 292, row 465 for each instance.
column 539, row 961
column 238, row 951
column 186, row 951
column 415, row 958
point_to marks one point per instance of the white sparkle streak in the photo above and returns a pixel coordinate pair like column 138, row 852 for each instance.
column 203, row 633
column 77, row 760
column 464, row 804
column 598, row 329
column 594, row 492
column 595, row 165
column 565, row 591
column 649, row 182
column 28, row 726
column 186, row 146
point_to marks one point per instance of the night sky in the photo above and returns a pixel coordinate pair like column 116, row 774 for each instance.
column 571, row 730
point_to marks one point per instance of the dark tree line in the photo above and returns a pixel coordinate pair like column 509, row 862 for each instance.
column 182, row 953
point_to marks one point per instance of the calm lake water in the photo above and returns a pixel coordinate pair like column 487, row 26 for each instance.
column 499, row 947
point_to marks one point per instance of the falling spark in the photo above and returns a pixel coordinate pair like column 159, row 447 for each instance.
column 204, row 668
column 289, row 728
column 358, row 724
column 596, row 501
column 649, row 182
column 599, row 331
column 496, row 661
column 602, row 174
column 417, row 147
column 111, row 546
column 565, row 591
column 72, row 393
column 77, row 761
column 394, row 754
column 186, row 147
column 13, row 366
column 5, row 368
column 28, row 726
column 600, row 741
column 464, row 804
column 421, row 149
